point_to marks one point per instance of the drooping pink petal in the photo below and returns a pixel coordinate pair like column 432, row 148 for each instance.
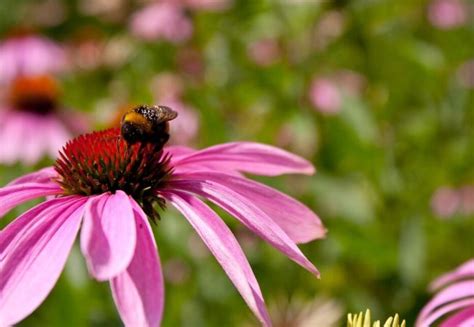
column 452, row 293
column 13, row 195
column 138, row 292
column 108, row 235
column 463, row 271
column 225, row 248
column 437, row 313
column 30, row 55
column 162, row 20
column 245, row 211
column 297, row 221
column 43, row 176
column 30, row 269
column 21, row 226
column 464, row 318
column 249, row 157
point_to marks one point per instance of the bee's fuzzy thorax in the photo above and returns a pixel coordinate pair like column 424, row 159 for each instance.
column 135, row 118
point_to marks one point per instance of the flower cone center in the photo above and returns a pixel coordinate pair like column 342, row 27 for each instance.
column 102, row 162
column 36, row 94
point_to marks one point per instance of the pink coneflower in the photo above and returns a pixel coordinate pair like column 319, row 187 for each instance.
column 445, row 202
column 325, row 96
column 329, row 28
column 264, row 52
column 446, row 14
column 167, row 85
column 454, row 302
column 326, row 93
column 110, row 187
column 162, row 21
column 26, row 55
column 31, row 124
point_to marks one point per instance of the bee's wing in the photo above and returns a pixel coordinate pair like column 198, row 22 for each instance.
column 165, row 114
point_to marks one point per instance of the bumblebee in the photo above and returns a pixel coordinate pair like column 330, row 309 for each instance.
column 147, row 124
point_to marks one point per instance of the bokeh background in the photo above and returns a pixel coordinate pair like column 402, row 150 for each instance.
column 378, row 94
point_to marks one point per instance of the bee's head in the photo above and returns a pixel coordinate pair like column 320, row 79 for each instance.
column 132, row 132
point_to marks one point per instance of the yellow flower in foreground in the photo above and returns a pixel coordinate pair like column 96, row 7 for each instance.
column 361, row 320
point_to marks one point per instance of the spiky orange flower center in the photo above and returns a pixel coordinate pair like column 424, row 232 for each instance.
column 102, row 162
column 36, row 94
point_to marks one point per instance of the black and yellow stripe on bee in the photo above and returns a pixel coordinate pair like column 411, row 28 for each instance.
column 138, row 119
column 147, row 124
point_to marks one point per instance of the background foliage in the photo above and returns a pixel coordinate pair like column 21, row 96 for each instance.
column 402, row 129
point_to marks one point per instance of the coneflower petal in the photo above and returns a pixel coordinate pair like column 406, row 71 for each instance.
column 42, row 176
column 461, row 290
column 12, row 130
column 463, row 318
column 108, row 235
column 30, row 269
column 33, row 150
column 249, row 157
column 13, row 195
column 297, row 220
column 247, row 213
column 437, row 313
column 138, row 292
column 225, row 248
column 24, row 224
column 465, row 271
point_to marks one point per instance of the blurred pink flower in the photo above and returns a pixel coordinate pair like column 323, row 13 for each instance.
column 454, row 300
column 89, row 50
column 25, row 55
column 264, row 52
column 445, row 202
column 116, row 238
column 31, row 123
column 162, row 21
column 446, row 14
column 167, row 85
column 331, row 26
column 325, row 96
column 351, row 82
column 86, row 48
